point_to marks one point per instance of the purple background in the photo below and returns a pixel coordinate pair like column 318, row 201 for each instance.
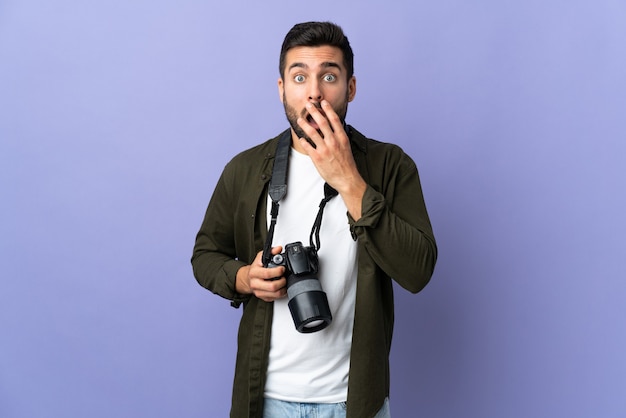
column 117, row 117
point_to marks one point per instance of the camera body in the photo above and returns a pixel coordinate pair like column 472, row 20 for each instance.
column 308, row 303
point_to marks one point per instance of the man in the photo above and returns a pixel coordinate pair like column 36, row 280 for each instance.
column 375, row 229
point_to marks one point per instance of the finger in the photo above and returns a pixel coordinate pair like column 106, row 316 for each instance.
column 333, row 118
column 269, row 290
column 258, row 260
column 306, row 145
column 311, row 132
column 321, row 118
column 268, row 273
column 269, row 286
column 270, row 297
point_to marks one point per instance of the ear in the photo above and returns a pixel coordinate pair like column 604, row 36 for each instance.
column 351, row 88
column 281, row 89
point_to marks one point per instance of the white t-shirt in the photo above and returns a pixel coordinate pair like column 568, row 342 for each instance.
column 314, row 367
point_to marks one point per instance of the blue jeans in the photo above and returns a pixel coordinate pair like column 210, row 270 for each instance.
column 274, row 408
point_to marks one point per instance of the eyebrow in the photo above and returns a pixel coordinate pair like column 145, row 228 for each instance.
column 325, row 64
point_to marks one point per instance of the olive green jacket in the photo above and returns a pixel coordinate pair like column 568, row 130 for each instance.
column 395, row 240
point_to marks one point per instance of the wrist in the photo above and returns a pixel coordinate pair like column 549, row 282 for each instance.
column 353, row 198
column 242, row 281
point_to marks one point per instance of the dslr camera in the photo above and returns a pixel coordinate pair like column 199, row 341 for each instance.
column 308, row 303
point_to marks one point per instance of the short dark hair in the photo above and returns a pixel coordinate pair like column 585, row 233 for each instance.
column 317, row 34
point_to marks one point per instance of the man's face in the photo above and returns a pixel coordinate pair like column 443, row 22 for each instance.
column 313, row 74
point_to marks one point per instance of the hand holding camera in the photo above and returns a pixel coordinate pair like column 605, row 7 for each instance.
column 266, row 284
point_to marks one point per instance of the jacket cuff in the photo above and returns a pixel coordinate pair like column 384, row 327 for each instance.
column 372, row 207
column 230, row 269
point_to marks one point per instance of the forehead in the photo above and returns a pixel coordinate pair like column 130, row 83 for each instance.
column 314, row 57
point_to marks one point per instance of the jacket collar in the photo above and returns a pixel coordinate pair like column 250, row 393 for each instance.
column 357, row 139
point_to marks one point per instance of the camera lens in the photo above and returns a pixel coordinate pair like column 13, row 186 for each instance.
column 308, row 304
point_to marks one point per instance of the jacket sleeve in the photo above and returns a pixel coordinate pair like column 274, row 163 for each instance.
column 214, row 260
column 394, row 227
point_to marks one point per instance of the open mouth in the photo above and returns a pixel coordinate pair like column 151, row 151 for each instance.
column 310, row 119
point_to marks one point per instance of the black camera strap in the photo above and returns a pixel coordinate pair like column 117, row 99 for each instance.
column 278, row 190
column 329, row 193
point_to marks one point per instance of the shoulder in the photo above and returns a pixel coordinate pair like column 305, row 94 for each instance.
column 257, row 153
column 252, row 160
column 378, row 152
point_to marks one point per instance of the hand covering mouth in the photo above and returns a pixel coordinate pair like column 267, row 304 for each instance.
column 308, row 116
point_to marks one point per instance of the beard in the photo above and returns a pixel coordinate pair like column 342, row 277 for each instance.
column 293, row 115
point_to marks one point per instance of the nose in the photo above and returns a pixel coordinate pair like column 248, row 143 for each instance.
column 315, row 92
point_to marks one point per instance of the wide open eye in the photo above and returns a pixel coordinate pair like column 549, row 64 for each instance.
column 299, row 78
column 330, row 78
